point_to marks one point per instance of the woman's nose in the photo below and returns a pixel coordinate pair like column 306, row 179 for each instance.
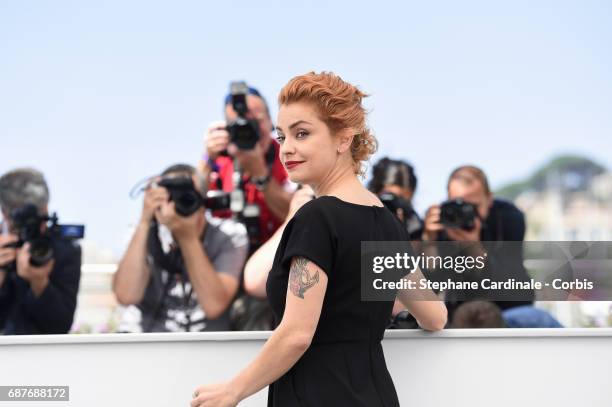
column 287, row 148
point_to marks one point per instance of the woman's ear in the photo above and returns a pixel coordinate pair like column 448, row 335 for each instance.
column 345, row 139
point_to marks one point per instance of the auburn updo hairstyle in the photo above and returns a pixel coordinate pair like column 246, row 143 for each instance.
column 338, row 104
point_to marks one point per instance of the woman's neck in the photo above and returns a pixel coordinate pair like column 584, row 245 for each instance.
column 338, row 183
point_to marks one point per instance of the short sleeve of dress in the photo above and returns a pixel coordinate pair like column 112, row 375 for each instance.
column 310, row 234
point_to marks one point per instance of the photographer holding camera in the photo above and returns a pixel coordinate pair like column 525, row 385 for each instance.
column 182, row 267
column 244, row 159
column 394, row 182
column 472, row 214
column 39, row 269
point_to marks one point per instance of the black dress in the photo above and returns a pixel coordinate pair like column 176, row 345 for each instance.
column 345, row 364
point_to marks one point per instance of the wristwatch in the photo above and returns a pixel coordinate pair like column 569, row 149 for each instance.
column 261, row 183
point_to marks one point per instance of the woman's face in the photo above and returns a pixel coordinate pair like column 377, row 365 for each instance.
column 308, row 151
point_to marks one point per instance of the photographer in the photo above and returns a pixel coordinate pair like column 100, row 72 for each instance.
column 472, row 214
column 38, row 288
column 252, row 149
column 395, row 183
column 182, row 267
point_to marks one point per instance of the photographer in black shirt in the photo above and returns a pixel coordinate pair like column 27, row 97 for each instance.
column 39, row 269
column 472, row 214
column 497, row 220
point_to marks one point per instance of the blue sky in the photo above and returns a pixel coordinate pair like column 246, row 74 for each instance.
column 99, row 95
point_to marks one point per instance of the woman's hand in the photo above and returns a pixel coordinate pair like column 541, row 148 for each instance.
column 214, row 395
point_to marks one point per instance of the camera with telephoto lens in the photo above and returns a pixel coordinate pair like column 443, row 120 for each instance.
column 28, row 224
column 458, row 214
column 244, row 133
column 188, row 200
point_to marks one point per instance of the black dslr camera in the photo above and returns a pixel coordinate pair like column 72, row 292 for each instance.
column 188, row 200
column 458, row 214
column 396, row 203
column 244, row 133
column 27, row 223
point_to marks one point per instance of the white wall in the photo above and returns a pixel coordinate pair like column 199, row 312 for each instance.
column 507, row 367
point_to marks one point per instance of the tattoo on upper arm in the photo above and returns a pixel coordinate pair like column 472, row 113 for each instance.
column 300, row 279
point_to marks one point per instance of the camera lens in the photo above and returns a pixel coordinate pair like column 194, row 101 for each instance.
column 449, row 214
column 458, row 214
column 187, row 203
column 244, row 133
column 40, row 252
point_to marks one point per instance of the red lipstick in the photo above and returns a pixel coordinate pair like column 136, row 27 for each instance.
column 292, row 164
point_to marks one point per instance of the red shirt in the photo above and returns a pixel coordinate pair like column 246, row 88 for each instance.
column 224, row 167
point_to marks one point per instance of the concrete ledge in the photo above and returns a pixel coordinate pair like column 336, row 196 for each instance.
column 263, row 335
column 476, row 368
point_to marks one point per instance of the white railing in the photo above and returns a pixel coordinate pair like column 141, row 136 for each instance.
column 475, row 368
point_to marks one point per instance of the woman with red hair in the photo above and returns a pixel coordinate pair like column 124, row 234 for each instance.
column 326, row 349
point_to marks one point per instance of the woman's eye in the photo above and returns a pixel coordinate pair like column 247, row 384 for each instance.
column 301, row 134
column 280, row 139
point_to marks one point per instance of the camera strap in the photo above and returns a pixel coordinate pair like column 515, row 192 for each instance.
column 186, row 300
column 160, row 304
column 173, row 264
column 170, row 261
